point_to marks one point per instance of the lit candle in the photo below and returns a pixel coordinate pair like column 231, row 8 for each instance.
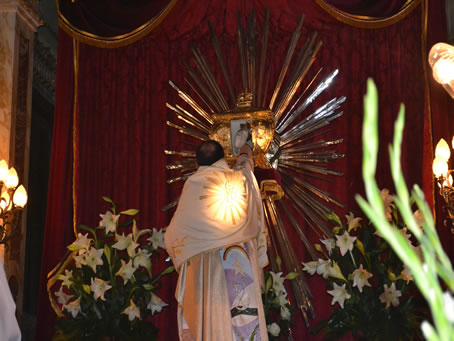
column 20, row 197
column 442, row 150
column 3, row 170
column 440, row 167
column 12, row 180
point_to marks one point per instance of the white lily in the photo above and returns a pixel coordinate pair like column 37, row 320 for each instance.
column 339, row 294
column 419, row 218
column 99, row 287
column 390, row 295
column 387, row 202
column 109, row 221
column 93, row 258
column 156, row 304
column 142, row 258
column 66, row 278
column 345, row 243
column 80, row 258
column 157, row 239
column 405, row 234
column 62, row 298
column 126, row 242
column 361, row 278
column 73, row 307
column 132, row 311
column 352, row 222
column 406, row 274
column 285, row 313
column 323, row 267
column 310, row 267
column 126, row 271
column 273, row 329
column 278, row 282
column 448, row 305
column 282, row 298
column 81, row 243
column 330, row 244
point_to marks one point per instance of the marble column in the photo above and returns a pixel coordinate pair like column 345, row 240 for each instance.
column 19, row 21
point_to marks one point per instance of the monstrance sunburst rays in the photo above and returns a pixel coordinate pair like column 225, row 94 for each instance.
column 287, row 137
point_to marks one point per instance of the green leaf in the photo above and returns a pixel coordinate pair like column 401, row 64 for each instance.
column 360, row 247
column 269, row 283
column 131, row 212
column 318, row 247
column 86, row 288
column 107, row 199
column 107, row 253
column 278, row 263
column 334, row 218
column 337, row 230
column 87, row 229
column 73, row 247
column 167, row 271
column 291, row 275
column 148, row 287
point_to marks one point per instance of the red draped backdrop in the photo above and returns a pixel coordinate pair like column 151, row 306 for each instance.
column 121, row 119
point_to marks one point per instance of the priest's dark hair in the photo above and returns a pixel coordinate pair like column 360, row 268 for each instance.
column 209, row 152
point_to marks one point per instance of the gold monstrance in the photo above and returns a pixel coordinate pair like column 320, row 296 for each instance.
column 286, row 132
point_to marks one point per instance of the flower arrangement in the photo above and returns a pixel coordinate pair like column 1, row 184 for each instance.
column 373, row 289
column 107, row 288
column 276, row 305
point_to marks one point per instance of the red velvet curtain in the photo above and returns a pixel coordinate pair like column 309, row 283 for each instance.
column 122, row 114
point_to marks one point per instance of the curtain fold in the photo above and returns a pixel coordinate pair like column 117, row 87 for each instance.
column 122, row 120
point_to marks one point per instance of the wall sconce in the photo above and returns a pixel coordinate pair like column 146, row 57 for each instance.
column 443, row 175
column 441, row 60
column 12, row 201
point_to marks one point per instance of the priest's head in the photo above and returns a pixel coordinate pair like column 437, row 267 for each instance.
column 209, row 152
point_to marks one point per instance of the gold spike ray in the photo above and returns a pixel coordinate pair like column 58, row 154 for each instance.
column 260, row 97
column 205, row 90
column 241, row 46
column 188, row 118
column 219, row 54
column 251, row 53
column 298, row 230
column 288, row 58
column 290, row 117
column 317, row 191
column 182, row 153
column 208, row 76
column 302, row 71
column 299, row 284
column 188, row 131
column 188, row 99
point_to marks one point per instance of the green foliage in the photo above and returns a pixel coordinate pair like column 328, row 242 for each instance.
column 277, row 307
column 434, row 267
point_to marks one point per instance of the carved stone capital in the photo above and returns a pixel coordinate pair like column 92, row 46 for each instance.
column 25, row 10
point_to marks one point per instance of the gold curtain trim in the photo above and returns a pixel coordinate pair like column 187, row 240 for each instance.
column 369, row 22
column 424, row 19
column 75, row 132
column 115, row 41
column 52, row 279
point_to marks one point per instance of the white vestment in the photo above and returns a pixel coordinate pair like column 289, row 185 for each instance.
column 218, row 208
column 9, row 329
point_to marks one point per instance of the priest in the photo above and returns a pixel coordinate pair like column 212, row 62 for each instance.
column 217, row 242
